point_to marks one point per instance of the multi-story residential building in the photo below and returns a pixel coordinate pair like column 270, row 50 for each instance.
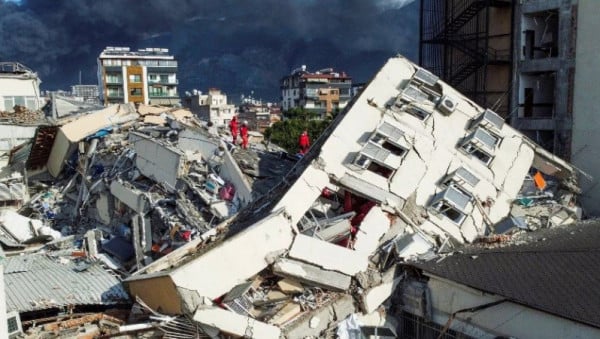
column 211, row 107
column 259, row 115
column 148, row 76
column 549, row 93
column 19, row 86
column 323, row 91
column 86, row 93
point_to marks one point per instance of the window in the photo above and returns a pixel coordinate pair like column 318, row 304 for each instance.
column 153, row 78
column 461, row 178
column 135, row 78
column 477, row 153
column 114, row 92
column 417, row 112
column 113, row 78
column 412, row 93
column 391, row 138
column 452, row 204
column 481, row 144
column 9, row 103
column 490, row 120
column 375, row 158
column 135, row 92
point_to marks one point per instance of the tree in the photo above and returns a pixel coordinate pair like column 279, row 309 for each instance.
column 286, row 133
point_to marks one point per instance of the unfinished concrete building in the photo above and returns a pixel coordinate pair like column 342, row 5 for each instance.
column 410, row 170
column 468, row 44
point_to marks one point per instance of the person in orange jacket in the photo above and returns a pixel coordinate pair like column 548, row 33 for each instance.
column 304, row 142
column 233, row 128
column 244, row 134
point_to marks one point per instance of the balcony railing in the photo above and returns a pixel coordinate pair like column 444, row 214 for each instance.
column 163, row 95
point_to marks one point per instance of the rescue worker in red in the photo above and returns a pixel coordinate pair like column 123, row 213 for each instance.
column 233, row 128
column 304, row 142
column 244, row 134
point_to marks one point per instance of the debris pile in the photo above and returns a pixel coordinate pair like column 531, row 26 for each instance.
column 212, row 240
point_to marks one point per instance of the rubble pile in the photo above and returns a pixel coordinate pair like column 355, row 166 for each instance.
column 21, row 115
column 211, row 240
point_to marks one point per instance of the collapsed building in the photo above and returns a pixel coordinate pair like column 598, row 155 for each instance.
column 100, row 194
column 410, row 170
column 210, row 240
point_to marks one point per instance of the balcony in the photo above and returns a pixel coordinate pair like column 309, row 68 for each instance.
column 163, row 81
column 114, row 95
column 163, row 95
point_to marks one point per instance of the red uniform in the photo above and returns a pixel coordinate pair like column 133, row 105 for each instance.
column 304, row 142
column 244, row 135
column 233, row 128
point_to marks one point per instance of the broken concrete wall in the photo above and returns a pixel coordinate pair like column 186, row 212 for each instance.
column 192, row 140
column 157, row 291
column 71, row 133
column 373, row 297
column 312, row 324
column 130, row 196
column 159, row 162
column 231, row 172
column 329, row 256
column 236, row 259
column 312, row 275
column 303, row 193
column 236, row 324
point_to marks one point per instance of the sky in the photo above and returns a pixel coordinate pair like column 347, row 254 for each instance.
column 239, row 46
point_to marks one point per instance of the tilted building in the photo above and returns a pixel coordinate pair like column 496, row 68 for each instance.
column 323, row 92
column 411, row 169
column 148, row 76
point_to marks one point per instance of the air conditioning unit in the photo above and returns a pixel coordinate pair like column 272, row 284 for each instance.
column 447, row 105
column 14, row 324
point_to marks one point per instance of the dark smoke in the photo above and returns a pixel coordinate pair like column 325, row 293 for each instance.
column 238, row 46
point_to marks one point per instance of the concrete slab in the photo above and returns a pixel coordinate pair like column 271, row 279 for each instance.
column 328, row 256
column 311, row 275
column 372, row 228
column 162, row 163
column 372, row 298
column 236, row 324
column 130, row 196
column 236, row 259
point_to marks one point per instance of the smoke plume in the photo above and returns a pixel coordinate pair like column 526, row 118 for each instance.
column 238, row 46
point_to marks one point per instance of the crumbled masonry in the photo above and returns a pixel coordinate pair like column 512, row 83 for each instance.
column 205, row 239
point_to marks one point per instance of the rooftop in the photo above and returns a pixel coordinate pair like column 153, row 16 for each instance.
column 553, row 270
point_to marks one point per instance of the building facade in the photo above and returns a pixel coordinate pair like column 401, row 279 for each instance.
column 211, row 107
column 324, row 92
column 19, row 86
column 148, row 76
column 553, row 70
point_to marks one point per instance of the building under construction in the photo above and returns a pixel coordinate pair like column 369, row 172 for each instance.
column 468, row 44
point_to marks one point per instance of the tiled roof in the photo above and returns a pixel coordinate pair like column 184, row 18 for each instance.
column 554, row 270
column 39, row 281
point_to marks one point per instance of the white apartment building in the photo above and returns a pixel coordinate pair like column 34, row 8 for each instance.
column 20, row 86
column 211, row 107
column 147, row 76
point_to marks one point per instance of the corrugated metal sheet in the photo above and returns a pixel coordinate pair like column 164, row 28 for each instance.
column 39, row 281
